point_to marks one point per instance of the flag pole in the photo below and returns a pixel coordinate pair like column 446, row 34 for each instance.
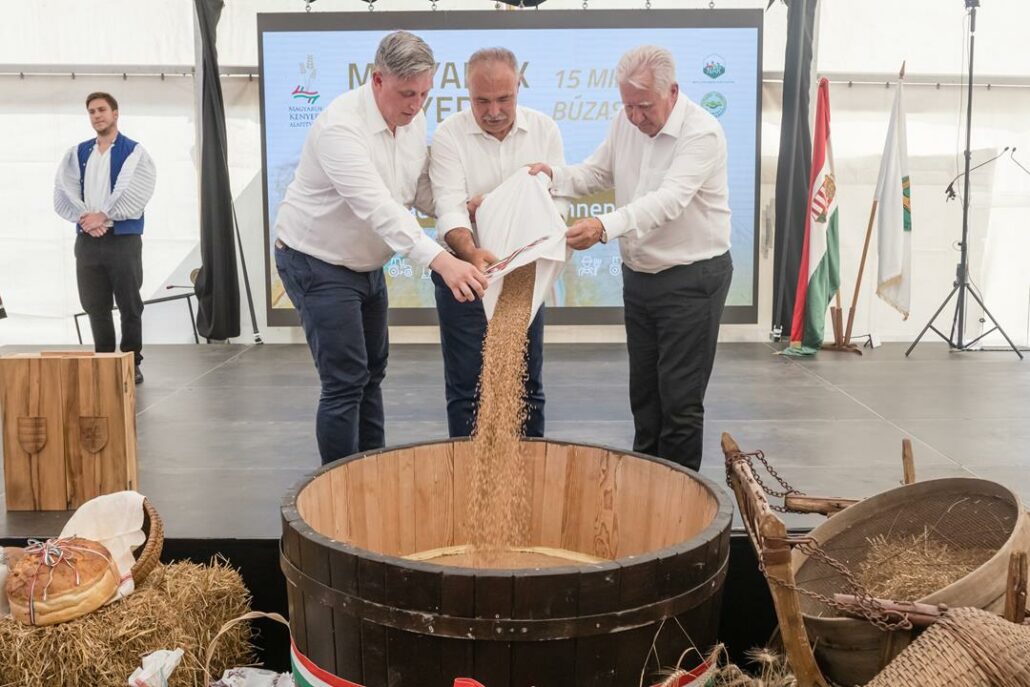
column 861, row 271
column 836, row 321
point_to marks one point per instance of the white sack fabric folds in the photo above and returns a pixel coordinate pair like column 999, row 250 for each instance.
column 519, row 222
column 116, row 521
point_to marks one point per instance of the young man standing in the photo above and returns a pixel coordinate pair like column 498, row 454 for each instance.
column 103, row 185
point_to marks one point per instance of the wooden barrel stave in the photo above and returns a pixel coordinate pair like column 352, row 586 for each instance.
column 343, row 568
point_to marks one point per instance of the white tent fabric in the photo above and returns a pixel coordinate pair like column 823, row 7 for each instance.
column 44, row 114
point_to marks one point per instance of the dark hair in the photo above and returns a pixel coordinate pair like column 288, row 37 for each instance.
column 100, row 95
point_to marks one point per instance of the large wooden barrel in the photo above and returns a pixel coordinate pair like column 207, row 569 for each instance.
column 965, row 513
column 362, row 612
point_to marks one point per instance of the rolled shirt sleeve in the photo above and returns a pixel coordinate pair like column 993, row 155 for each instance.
column 556, row 159
column 590, row 176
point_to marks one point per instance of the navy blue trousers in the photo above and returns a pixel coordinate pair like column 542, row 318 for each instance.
column 462, row 330
column 343, row 313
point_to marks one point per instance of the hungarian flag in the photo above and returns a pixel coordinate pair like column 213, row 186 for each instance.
column 819, row 276
column 894, row 223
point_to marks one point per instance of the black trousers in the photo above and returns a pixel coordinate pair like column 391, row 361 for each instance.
column 672, row 326
column 109, row 271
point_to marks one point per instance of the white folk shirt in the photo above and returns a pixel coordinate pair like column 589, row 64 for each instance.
column 670, row 190
column 348, row 203
column 96, row 183
column 466, row 161
column 132, row 190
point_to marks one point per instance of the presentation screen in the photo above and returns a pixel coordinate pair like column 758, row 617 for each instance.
column 567, row 62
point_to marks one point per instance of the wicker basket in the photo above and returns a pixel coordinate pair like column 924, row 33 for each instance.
column 150, row 554
column 964, row 512
column 967, row 648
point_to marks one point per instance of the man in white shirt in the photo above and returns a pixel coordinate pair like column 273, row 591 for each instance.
column 473, row 152
column 666, row 160
column 103, row 185
column 343, row 217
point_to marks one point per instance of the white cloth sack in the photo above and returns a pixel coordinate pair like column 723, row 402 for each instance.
column 519, row 221
column 156, row 669
column 116, row 521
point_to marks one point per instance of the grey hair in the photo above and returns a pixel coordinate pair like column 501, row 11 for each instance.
column 494, row 55
column 404, row 55
column 647, row 59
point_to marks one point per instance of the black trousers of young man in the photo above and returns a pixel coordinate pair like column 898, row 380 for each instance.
column 109, row 271
column 672, row 326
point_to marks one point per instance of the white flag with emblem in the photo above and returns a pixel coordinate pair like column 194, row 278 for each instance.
column 894, row 220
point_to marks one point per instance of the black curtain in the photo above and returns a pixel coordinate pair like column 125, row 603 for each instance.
column 795, row 161
column 218, row 286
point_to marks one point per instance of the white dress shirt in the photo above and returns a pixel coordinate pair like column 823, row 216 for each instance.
column 670, row 190
column 466, row 161
column 348, row 203
column 96, row 186
column 132, row 189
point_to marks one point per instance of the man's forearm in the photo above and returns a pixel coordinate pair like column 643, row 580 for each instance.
column 461, row 242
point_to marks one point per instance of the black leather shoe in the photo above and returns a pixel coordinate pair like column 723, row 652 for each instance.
column 139, row 377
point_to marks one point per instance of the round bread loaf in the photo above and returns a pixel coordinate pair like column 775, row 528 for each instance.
column 66, row 578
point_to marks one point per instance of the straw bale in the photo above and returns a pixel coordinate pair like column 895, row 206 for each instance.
column 181, row 605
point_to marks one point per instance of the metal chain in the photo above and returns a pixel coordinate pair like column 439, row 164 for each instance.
column 866, row 606
column 760, row 457
column 307, row 5
column 371, row 5
column 433, row 3
column 585, row 5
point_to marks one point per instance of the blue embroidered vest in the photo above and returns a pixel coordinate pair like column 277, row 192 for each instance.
column 120, row 151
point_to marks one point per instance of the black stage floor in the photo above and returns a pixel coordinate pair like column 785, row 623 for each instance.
column 225, row 429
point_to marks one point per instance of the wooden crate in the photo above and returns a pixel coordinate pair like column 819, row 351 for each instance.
column 69, row 427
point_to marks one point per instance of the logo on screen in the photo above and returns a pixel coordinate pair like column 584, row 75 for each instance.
column 305, row 90
column 714, row 102
column 714, row 67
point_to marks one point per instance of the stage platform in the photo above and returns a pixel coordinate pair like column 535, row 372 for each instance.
column 224, row 430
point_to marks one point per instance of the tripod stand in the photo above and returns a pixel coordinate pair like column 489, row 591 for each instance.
column 961, row 288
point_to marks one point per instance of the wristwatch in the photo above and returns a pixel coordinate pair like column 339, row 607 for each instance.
column 604, row 234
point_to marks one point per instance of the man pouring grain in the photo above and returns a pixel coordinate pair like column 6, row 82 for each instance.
column 344, row 215
column 666, row 160
column 473, row 152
